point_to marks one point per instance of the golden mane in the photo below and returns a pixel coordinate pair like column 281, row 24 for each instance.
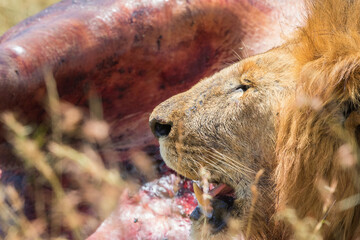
column 319, row 126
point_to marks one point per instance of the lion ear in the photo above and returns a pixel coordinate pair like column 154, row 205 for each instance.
column 352, row 119
column 346, row 76
column 344, row 79
column 331, row 79
column 352, row 122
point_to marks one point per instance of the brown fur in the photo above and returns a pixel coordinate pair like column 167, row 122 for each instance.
column 300, row 109
column 309, row 138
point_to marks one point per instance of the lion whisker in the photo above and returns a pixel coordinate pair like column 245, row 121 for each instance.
column 215, row 167
column 236, row 166
column 212, row 159
column 236, row 163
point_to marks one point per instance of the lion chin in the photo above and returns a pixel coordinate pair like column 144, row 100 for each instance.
column 272, row 141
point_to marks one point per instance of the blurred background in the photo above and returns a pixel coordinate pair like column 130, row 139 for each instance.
column 14, row 11
column 64, row 186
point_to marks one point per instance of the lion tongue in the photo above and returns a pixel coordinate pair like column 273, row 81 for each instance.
column 221, row 189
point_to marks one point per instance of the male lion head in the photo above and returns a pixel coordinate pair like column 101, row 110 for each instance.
column 225, row 126
column 292, row 114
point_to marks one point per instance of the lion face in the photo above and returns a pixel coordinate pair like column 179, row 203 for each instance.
column 223, row 131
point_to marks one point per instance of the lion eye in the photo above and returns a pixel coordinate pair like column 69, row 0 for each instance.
column 242, row 88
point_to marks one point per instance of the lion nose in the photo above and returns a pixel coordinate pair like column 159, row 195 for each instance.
column 160, row 129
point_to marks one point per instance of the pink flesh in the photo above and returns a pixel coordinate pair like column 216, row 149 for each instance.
column 157, row 217
column 221, row 189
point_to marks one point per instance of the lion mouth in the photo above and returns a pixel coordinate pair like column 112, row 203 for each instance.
column 215, row 204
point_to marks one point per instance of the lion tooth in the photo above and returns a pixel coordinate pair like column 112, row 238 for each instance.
column 198, row 193
column 203, row 199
